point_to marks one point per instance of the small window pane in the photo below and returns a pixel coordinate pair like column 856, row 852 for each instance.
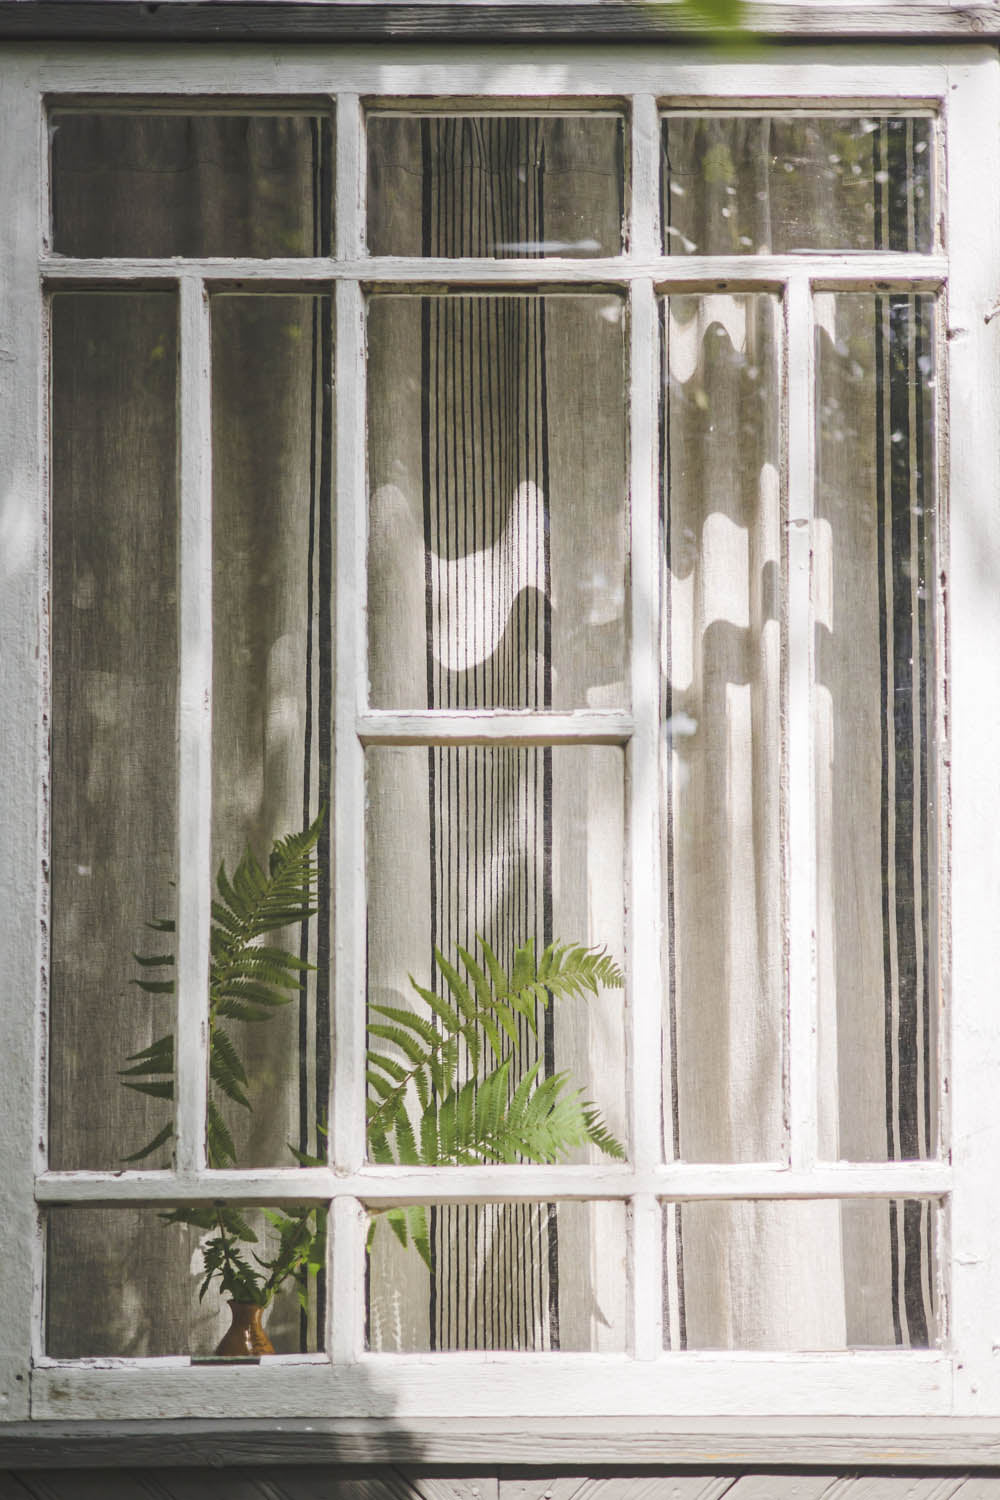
column 124, row 1282
column 492, row 185
column 874, row 725
column 114, row 713
column 722, row 681
column 167, row 184
column 759, row 184
column 498, row 520
column 504, row 847
column 272, row 716
column 527, row 1276
column 841, row 1274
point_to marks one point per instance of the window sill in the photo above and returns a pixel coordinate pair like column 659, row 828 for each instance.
column 489, row 1442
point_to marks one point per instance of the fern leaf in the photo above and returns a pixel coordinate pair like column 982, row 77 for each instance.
column 389, row 1065
column 155, row 1090
column 422, row 1027
column 449, row 1017
column 497, row 974
column 416, row 1218
column 225, row 1068
column 599, row 1133
column 406, row 1144
column 158, row 1140
column 221, row 1149
column 524, row 965
column 403, row 1040
column 457, row 986
column 484, row 995
column 153, row 960
column 430, row 1147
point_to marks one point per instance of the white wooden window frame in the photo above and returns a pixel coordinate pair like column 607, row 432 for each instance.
column 645, row 1390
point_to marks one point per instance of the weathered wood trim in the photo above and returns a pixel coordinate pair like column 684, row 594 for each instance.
column 491, row 1442
column 481, row 20
column 24, row 735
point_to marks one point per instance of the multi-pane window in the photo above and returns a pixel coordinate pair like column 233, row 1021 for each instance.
column 498, row 811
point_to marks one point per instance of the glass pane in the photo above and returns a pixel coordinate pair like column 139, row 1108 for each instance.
column 477, row 849
column 875, row 750
column 529, row 1276
column 722, row 683
column 272, row 711
column 114, row 711
column 498, row 502
column 841, row 1274
column 125, row 1282
column 757, row 184
column 170, row 184
column 495, row 186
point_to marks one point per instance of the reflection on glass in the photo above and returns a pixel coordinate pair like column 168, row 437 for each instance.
column 752, row 184
column 528, row 1276
column 491, row 185
column 801, row 1275
column 498, row 521
column 272, row 678
column 114, row 707
column 124, row 1282
column 722, row 683
column 874, row 725
column 508, row 845
column 169, row 184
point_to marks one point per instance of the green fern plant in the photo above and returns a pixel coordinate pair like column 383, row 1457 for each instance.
column 429, row 1105
column 249, row 981
column 442, row 1077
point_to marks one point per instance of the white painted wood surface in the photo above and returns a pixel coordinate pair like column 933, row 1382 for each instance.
column 858, row 271
column 803, row 1073
column 194, row 789
column 417, row 1390
column 507, row 1184
column 23, row 725
column 970, row 588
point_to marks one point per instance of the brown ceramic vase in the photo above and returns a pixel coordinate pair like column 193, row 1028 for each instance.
column 245, row 1335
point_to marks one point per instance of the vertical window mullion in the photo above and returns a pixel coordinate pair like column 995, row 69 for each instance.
column 347, row 1106
column 972, row 559
column 800, row 830
column 645, row 919
column 194, row 794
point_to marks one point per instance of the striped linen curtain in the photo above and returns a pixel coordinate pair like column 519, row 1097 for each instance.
column 820, row 1275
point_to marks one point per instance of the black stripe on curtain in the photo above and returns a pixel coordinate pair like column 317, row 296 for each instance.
column 904, row 489
column 485, row 483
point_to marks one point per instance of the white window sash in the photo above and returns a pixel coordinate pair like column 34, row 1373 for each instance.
column 961, row 1381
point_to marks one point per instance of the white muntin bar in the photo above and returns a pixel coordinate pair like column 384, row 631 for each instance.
column 680, row 1182
column 644, row 182
column 800, row 818
column 351, row 179
column 194, row 790
column 862, row 271
column 474, row 727
column 345, row 1302
column 644, row 921
column 348, row 1102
